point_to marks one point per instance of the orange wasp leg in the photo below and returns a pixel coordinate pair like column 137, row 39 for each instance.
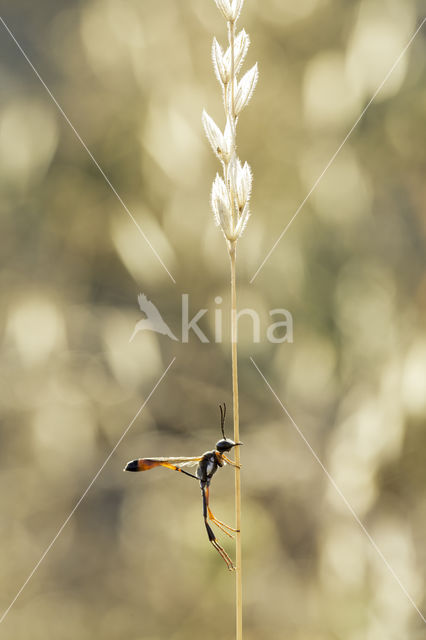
column 231, row 462
column 212, row 537
column 224, row 527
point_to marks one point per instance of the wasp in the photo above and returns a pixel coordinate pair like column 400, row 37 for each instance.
column 207, row 465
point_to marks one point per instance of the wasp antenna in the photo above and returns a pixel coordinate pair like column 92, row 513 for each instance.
column 222, row 418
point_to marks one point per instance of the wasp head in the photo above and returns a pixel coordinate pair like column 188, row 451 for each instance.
column 226, row 445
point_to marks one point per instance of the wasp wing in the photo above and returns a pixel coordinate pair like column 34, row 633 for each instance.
column 144, row 464
column 179, row 462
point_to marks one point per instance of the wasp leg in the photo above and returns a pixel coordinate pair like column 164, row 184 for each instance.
column 224, row 527
column 231, row 462
column 212, row 537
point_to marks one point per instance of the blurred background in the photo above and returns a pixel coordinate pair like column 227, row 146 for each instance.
column 134, row 560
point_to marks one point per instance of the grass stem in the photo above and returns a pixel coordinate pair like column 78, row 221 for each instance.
column 230, row 205
column 238, row 564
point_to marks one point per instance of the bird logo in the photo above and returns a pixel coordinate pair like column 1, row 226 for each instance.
column 153, row 320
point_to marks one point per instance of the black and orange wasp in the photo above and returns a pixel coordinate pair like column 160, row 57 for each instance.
column 207, row 465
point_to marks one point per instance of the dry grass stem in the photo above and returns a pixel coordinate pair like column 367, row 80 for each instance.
column 230, row 203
